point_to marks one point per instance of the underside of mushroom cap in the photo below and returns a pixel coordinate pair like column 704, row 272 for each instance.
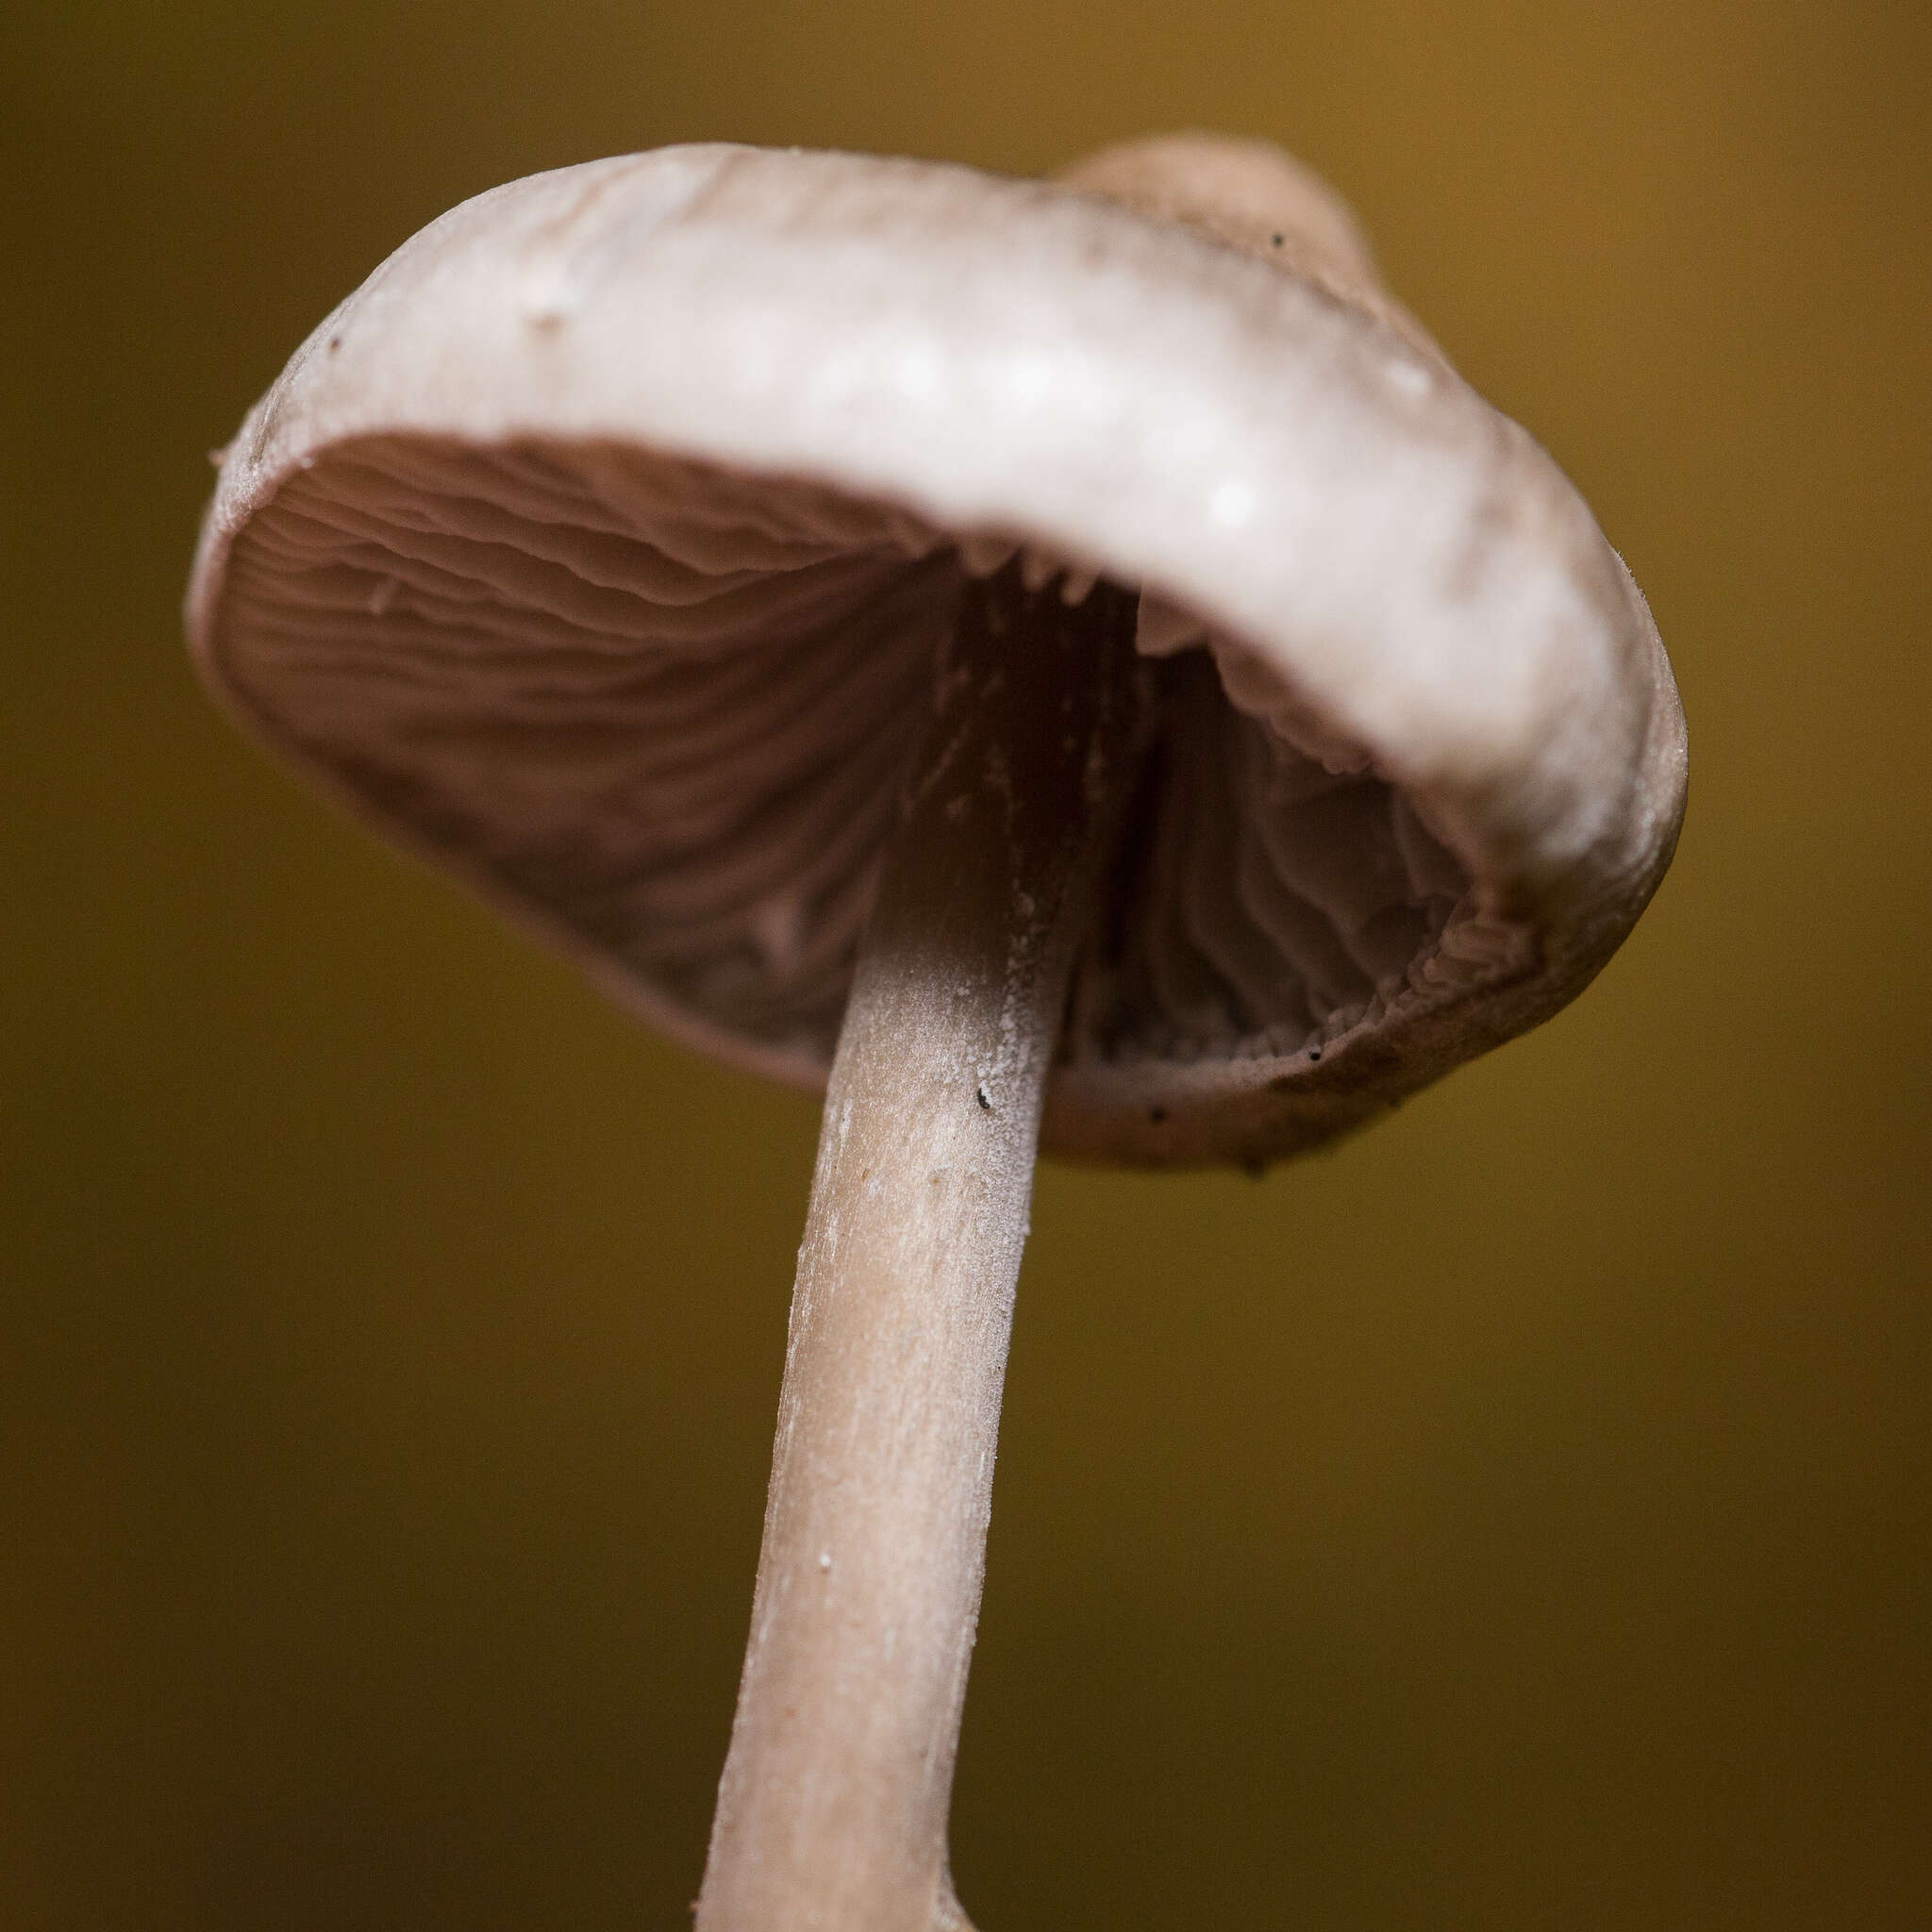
column 603, row 548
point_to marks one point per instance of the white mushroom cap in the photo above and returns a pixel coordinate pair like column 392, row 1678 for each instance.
column 601, row 546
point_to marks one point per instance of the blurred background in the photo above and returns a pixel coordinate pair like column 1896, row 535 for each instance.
column 1520, row 1518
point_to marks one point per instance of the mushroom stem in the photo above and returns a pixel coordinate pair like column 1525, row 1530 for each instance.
column 832, row 1809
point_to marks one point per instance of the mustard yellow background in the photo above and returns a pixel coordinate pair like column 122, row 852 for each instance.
column 1520, row 1519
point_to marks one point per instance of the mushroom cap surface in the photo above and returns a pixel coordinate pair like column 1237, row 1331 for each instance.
column 601, row 548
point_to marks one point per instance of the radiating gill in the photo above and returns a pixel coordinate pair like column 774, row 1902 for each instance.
column 673, row 707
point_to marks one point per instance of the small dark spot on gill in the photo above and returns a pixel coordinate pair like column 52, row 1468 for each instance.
column 1157, row 1114
column 335, row 343
column 1277, row 240
column 984, row 1098
column 1315, row 1051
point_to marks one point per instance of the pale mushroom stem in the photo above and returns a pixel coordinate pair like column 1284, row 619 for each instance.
column 832, row 1810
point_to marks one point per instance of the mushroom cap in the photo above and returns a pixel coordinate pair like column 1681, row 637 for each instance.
column 603, row 548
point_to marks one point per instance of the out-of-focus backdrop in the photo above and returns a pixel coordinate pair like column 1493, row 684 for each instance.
column 1520, row 1518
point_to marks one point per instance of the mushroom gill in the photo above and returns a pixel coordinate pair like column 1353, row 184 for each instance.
column 672, row 707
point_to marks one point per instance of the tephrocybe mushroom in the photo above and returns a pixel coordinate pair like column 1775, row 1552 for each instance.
column 995, row 646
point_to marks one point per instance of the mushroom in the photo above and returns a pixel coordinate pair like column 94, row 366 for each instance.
column 1058, row 663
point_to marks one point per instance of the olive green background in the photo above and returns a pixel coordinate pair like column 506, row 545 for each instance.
column 1520, row 1518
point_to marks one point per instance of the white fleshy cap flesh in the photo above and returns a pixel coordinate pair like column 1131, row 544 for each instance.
column 603, row 546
